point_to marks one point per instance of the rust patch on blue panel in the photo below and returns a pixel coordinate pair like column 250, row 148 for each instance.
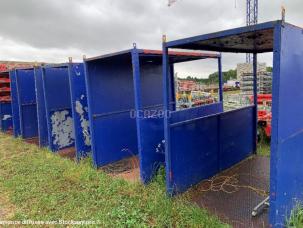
column 62, row 129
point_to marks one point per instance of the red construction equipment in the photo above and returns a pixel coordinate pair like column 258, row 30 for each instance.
column 264, row 115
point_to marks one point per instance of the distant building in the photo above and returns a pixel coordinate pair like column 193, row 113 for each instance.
column 246, row 78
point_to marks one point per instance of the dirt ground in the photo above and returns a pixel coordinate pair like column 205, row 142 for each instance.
column 127, row 169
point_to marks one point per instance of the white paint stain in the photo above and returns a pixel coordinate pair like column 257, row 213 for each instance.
column 6, row 117
column 84, row 122
column 62, row 129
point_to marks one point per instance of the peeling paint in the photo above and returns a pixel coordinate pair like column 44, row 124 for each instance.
column 84, row 122
column 62, row 129
column 6, row 117
column 77, row 71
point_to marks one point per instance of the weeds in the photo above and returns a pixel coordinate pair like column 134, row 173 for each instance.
column 296, row 217
column 44, row 186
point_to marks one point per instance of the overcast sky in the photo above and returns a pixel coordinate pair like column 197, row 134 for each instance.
column 52, row 30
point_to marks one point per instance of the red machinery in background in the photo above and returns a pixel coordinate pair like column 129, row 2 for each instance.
column 264, row 115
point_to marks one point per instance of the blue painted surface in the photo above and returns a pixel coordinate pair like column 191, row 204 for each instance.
column 287, row 124
column 41, row 111
column 25, row 82
column 166, row 108
column 80, row 109
column 115, row 134
column 6, row 123
column 195, row 156
column 149, row 101
column 58, row 107
column 152, row 144
column 202, row 147
column 151, row 147
column 236, row 131
column 15, row 104
column 113, row 131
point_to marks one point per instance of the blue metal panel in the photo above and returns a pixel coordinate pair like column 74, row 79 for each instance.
column 25, row 82
column 236, row 136
column 287, row 124
column 6, row 123
column 41, row 111
column 15, row 104
column 202, row 147
column 194, row 153
column 151, row 146
column 113, row 130
column 80, row 109
column 58, row 107
column 116, row 135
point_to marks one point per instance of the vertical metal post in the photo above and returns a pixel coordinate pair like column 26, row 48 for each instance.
column 136, row 77
column 255, row 73
column 166, row 86
column 90, row 111
column 220, row 78
column 138, row 94
column 48, row 123
column 221, row 101
column 19, row 103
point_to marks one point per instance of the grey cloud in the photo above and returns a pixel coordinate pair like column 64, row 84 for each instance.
column 94, row 27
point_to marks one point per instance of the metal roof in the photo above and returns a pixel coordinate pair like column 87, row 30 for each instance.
column 150, row 55
column 256, row 38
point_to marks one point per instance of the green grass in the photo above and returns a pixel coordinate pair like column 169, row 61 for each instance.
column 263, row 149
column 296, row 217
column 43, row 186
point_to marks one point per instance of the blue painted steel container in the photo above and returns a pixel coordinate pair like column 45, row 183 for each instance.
column 216, row 142
column 111, row 97
column 58, row 107
column 79, row 109
column 126, row 121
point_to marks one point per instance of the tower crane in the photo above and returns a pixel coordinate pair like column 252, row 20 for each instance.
column 251, row 19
